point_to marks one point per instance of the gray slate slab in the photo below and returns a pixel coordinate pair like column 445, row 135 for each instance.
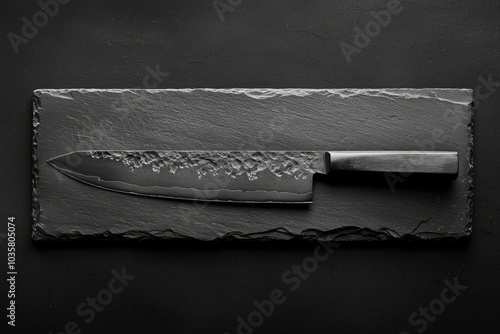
column 346, row 206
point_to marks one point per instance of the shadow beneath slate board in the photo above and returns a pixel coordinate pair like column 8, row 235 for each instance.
column 270, row 245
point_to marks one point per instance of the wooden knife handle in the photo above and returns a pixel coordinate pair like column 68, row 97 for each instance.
column 395, row 161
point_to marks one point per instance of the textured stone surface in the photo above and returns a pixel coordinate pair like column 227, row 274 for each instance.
column 346, row 206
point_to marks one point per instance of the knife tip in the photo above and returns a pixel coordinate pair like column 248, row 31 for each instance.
column 61, row 162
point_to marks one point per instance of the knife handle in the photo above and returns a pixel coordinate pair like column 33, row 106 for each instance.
column 395, row 161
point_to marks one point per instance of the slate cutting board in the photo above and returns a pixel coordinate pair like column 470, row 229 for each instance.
column 346, row 206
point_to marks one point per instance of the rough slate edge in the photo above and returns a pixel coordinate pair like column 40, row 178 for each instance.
column 338, row 234
column 35, row 205
column 470, row 175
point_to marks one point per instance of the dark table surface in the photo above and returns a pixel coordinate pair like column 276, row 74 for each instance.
column 184, row 287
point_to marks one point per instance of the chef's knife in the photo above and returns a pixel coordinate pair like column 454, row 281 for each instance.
column 236, row 176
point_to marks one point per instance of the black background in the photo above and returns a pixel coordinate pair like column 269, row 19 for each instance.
column 184, row 287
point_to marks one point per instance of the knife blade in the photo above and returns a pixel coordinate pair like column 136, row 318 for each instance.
column 236, row 176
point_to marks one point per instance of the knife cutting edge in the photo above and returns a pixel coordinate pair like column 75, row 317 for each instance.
column 237, row 176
